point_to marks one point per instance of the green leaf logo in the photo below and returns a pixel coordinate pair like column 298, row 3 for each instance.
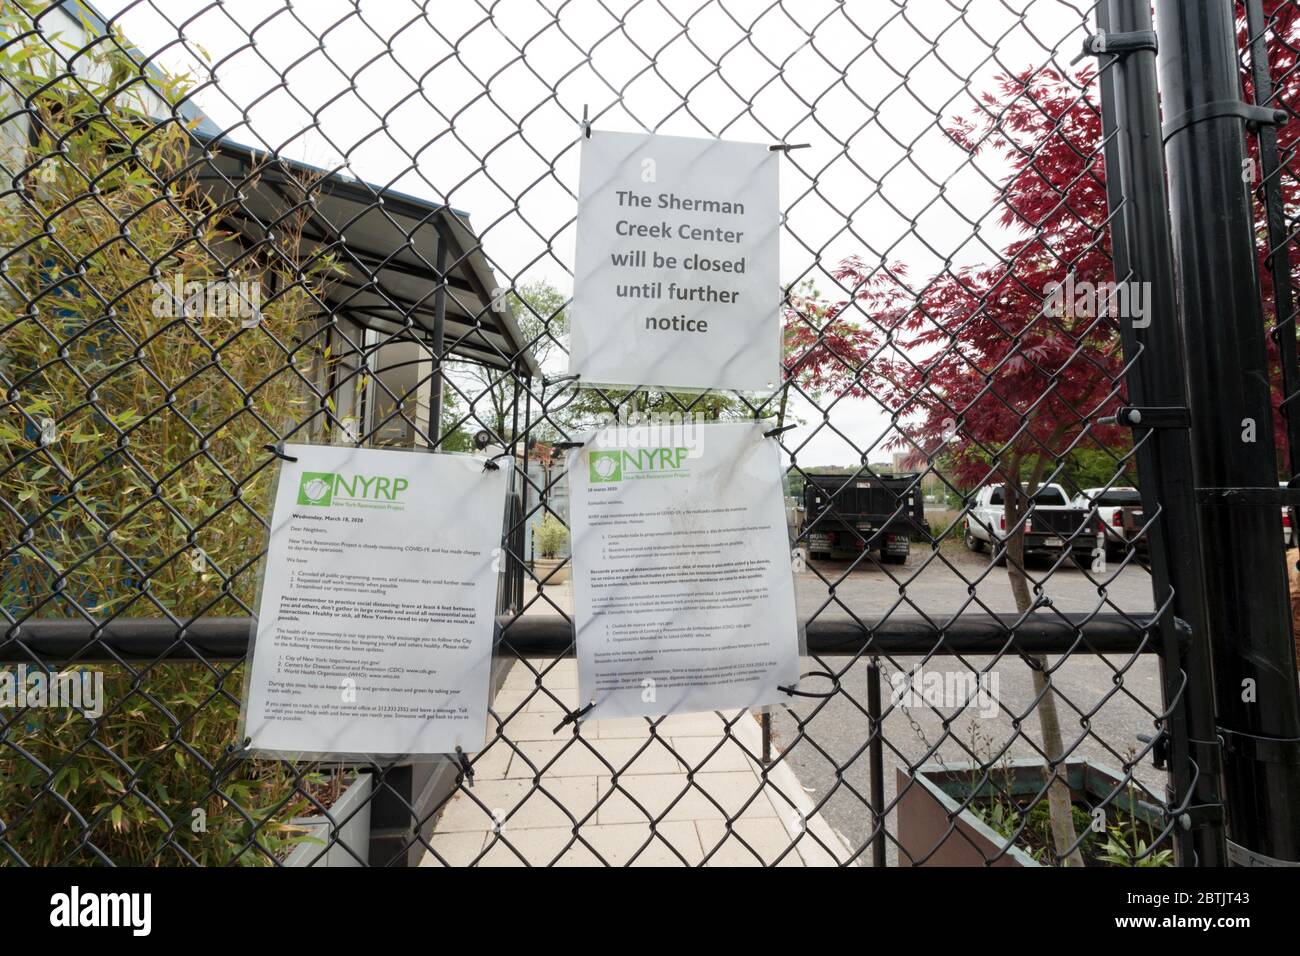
column 605, row 466
column 316, row 488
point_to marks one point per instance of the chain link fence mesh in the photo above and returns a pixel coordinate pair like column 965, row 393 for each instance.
column 231, row 224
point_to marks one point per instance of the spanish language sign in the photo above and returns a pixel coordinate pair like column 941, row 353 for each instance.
column 374, row 634
column 676, row 279
column 683, row 589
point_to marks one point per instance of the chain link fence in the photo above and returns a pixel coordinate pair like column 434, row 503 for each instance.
column 232, row 224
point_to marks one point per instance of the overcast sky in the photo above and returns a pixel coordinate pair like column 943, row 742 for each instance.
column 474, row 103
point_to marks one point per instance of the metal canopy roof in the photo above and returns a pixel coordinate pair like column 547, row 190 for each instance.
column 386, row 243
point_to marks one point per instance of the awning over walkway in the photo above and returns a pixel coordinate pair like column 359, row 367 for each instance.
column 387, row 243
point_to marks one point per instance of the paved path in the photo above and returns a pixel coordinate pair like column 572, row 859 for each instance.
column 692, row 776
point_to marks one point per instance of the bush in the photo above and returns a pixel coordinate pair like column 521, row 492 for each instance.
column 132, row 476
column 550, row 536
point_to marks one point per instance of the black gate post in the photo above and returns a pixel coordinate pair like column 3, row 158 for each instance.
column 1142, row 252
column 1235, row 462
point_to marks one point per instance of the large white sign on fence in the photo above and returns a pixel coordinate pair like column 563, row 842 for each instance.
column 677, row 280
column 374, row 632
column 683, row 590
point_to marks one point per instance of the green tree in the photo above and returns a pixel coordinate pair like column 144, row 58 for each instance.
column 540, row 309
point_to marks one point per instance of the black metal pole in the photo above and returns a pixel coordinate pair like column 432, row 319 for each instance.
column 876, row 755
column 69, row 640
column 439, row 344
column 1232, row 437
column 1142, row 253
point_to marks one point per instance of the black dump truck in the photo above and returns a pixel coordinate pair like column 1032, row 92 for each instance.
column 848, row 514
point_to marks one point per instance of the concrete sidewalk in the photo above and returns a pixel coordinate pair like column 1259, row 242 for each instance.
column 529, row 787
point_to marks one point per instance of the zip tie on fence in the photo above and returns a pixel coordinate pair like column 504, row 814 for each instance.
column 561, row 378
column 232, row 753
column 786, row 147
column 491, row 463
column 573, row 717
column 566, row 445
column 585, row 124
column 773, row 432
column 278, row 451
column 462, row 759
column 794, row 691
column 1032, row 663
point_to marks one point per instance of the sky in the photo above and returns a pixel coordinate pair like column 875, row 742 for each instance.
column 477, row 104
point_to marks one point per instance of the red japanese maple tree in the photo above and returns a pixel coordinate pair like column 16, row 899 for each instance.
column 991, row 372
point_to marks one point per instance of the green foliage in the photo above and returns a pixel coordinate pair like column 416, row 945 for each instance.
column 145, row 495
column 550, row 535
column 1097, row 468
column 1118, row 851
column 1126, row 843
column 540, row 309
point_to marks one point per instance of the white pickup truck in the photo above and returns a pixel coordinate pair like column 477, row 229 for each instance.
column 1053, row 527
column 1120, row 511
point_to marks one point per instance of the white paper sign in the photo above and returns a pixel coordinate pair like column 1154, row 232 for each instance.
column 683, row 590
column 677, row 280
column 374, row 634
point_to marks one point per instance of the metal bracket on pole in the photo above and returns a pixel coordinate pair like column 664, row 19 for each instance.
column 1117, row 44
column 1255, row 116
column 1170, row 417
column 1262, row 749
column 1202, row 815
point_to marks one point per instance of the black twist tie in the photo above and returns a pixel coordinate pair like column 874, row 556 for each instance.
column 462, row 759
column 278, row 451
column 773, row 432
column 491, row 463
column 233, row 752
column 796, row 692
column 573, row 717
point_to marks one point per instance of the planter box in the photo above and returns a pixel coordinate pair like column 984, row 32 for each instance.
column 542, row 567
column 928, row 804
column 351, row 813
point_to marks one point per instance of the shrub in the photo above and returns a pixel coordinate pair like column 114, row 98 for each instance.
column 550, row 536
column 132, row 477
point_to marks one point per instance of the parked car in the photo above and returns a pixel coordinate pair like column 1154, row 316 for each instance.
column 1052, row 527
column 851, row 514
column 1120, row 513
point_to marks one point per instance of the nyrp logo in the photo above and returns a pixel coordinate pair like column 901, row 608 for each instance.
column 323, row 489
column 606, row 466
column 317, row 488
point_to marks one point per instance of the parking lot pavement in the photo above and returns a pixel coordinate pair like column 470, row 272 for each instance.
column 1104, row 701
column 937, row 583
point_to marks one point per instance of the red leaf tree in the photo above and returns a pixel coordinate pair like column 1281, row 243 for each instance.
column 998, row 373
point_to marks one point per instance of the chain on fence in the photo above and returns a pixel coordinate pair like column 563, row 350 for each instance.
column 230, row 224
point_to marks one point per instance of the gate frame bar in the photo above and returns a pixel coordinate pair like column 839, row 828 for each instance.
column 1142, row 251
column 1214, row 230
